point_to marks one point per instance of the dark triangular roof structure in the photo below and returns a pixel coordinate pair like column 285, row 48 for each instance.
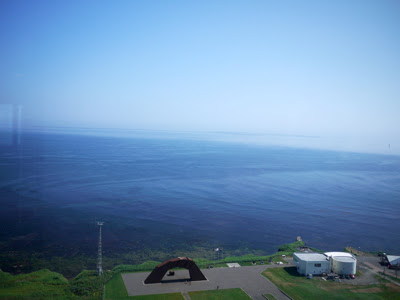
column 180, row 262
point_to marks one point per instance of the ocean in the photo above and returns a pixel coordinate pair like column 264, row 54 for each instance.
column 155, row 193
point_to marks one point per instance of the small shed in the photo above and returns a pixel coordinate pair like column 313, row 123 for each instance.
column 393, row 260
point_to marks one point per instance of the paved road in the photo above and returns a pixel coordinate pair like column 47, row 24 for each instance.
column 248, row 278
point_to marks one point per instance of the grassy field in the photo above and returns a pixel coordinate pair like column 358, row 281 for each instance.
column 391, row 277
column 41, row 284
column 172, row 296
column 115, row 288
column 244, row 260
column 45, row 284
column 227, row 294
column 299, row 287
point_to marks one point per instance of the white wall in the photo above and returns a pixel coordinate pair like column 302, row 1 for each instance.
column 312, row 267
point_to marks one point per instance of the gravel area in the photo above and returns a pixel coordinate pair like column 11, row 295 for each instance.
column 375, row 263
column 248, row 278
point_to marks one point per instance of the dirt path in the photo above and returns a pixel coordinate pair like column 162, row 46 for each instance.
column 377, row 271
column 185, row 296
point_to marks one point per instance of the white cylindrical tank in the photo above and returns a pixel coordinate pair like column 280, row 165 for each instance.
column 345, row 265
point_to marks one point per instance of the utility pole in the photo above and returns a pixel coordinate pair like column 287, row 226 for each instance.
column 99, row 252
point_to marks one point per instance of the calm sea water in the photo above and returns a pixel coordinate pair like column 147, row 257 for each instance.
column 168, row 193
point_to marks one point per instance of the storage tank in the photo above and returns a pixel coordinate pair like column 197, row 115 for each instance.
column 343, row 265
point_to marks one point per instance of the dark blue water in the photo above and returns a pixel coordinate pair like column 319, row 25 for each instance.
column 171, row 193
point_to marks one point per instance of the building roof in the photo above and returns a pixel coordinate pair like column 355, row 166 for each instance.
column 344, row 258
column 393, row 259
column 310, row 256
column 342, row 254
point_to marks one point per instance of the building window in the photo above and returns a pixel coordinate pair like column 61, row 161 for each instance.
column 317, row 265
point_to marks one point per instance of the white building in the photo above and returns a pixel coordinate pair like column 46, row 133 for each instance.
column 342, row 262
column 311, row 263
column 315, row 263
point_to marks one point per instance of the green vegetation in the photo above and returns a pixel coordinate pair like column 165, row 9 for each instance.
column 71, row 262
column 219, row 295
column 391, row 277
column 171, row 296
column 292, row 247
column 88, row 285
column 45, row 284
column 136, row 260
column 146, row 266
column 289, row 249
column 270, row 297
column 279, row 258
column 115, row 288
column 299, row 287
column 25, row 262
column 39, row 284
column 245, row 260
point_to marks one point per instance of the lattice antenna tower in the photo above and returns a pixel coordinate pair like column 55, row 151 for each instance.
column 99, row 252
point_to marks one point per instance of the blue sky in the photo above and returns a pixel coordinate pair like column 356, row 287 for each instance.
column 324, row 68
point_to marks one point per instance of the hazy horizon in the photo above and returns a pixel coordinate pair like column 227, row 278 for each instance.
column 263, row 139
column 326, row 69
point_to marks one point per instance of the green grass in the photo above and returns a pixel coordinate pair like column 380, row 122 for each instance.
column 292, row 247
column 227, row 294
column 270, row 297
column 391, row 277
column 298, row 287
column 146, row 266
column 40, row 284
column 115, row 288
column 245, row 260
column 89, row 283
column 278, row 258
column 45, row 284
column 171, row 296
column 250, row 263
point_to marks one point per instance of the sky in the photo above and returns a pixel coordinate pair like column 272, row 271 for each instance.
column 313, row 68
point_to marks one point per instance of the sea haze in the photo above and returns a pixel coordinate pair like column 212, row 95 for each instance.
column 157, row 193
